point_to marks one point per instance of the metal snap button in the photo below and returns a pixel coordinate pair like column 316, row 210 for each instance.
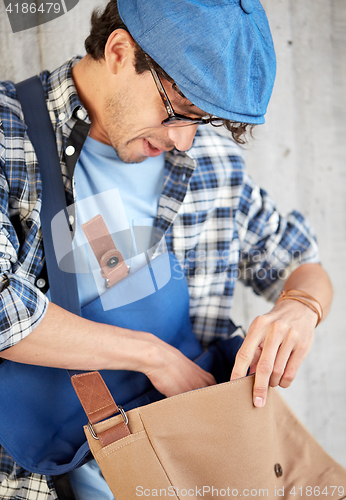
column 112, row 262
column 70, row 150
column 40, row 283
column 62, row 116
column 247, row 6
column 278, row 470
column 80, row 114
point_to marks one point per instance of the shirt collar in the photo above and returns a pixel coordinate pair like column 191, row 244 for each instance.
column 62, row 94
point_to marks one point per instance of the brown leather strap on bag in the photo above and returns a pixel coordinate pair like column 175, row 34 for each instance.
column 112, row 263
column 99, row 404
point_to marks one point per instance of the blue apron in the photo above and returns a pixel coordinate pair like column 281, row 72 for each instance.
column 41, row 417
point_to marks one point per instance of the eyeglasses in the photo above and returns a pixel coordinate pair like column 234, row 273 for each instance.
column 174, row 119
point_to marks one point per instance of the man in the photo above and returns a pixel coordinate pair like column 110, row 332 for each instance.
column 214, row 62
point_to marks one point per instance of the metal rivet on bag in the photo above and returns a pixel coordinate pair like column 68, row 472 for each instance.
column 278, row 470
column 112, row 262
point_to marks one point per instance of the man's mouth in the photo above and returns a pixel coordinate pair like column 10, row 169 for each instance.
column 152, row 150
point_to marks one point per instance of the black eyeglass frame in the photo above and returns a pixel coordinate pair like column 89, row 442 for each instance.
column 175, row 119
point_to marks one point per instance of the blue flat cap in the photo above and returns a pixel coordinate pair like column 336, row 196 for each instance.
column 220, row 53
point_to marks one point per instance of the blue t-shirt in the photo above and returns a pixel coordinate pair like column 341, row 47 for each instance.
column 127, row 196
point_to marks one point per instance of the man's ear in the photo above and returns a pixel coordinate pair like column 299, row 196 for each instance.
column 119, row 50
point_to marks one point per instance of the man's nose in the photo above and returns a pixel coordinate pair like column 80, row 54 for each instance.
column 182, row 137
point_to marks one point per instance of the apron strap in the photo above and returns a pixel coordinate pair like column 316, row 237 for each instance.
column 63, row 285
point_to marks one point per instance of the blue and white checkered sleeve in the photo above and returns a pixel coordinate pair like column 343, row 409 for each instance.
column 22, row 305
column 271, row 245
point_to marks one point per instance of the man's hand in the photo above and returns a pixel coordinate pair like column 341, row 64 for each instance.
column 278, row 341
column 275, row 347
column 173, row 373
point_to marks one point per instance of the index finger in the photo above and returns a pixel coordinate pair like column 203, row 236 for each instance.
column 264, row 371
column 248, row 350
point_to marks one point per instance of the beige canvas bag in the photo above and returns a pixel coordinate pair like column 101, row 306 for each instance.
column 207, row 443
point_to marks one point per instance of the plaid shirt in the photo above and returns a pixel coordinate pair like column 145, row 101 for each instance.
column 218, row 222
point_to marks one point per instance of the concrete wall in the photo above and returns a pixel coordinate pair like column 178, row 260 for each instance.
column 298, row 156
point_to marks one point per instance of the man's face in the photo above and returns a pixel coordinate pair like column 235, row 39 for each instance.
column 132, row 115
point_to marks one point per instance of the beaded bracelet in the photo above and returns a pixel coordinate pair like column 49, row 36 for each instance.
column 299, row 295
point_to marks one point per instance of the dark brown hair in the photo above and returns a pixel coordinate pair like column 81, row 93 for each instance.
column 104, row 23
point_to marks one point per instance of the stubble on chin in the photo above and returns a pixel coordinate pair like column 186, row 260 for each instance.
column 126, row 157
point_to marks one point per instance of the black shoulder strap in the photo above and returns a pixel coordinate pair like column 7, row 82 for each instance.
column 63, row 285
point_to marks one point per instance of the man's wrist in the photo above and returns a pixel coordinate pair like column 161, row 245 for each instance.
column 297, row 310
column 304, row 298
column 135, row 350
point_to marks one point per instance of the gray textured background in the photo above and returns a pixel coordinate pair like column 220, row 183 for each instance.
column 298, row 156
